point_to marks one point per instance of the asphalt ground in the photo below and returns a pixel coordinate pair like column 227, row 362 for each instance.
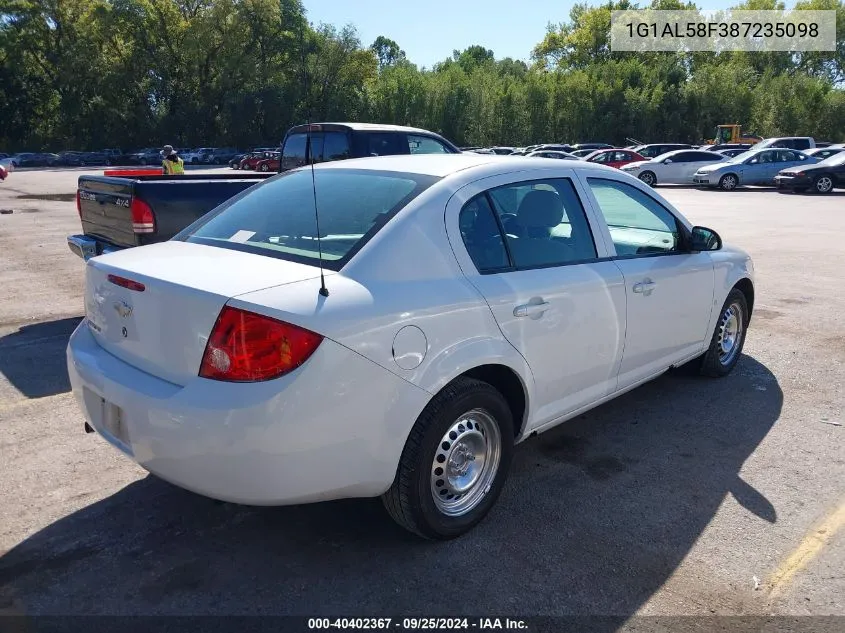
column 687, row 496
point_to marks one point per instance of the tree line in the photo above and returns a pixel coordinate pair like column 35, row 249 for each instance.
column 88, row 74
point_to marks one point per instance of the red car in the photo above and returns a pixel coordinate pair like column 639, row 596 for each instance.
column 270, row 163
column 614, row 157
column 251, row 161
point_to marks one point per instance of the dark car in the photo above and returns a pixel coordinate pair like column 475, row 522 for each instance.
column 338, row 141
column 578, row 146
column 553, row 147
column 820, row 177
column 235, row 161
column 36, row 160
column 717, row 148
column 222, row 155
column 653, row 150
column 147, row 156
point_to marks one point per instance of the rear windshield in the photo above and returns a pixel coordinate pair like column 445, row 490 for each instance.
column 276, row 218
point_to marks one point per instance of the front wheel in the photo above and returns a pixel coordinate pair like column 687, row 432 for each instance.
column 454, row 463
column 728, row 338
column 728, row 182
column 823, row 184
column 648, row 178
column 265, row 168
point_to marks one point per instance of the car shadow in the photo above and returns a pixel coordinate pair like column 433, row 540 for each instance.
column 596, row 516
column 33, row 358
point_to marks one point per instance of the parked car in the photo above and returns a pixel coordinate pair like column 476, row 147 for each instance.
column 118, row 213
column 201, row 156
column 789, row 142
column 730, row 153
column 729, row 146
column 592, row 146
column 270, row 162
column 821, row 177
column 676, row 167
column 32, row 159
column 235, row 161
column 503, row 151
column 6, row 167
column 340, row 141
column 553, row 147
column 548, row 153
column 582, row 153
column 251, row 160
column 823, row 152
column 222, row 155
column 147, row 156
column 652, row 150
column 614, row 157
column 754, row 167
column 273, row 384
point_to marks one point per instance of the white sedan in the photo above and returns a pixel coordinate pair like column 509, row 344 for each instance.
column 468, row 302
column 676, row 167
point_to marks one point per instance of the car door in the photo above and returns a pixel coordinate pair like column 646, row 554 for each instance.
column 756, row 169
column 670, row 291
column 527, row 246
column 670, row 168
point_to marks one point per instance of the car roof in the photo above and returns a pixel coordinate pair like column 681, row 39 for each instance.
column 443, row 165
column 372, row 127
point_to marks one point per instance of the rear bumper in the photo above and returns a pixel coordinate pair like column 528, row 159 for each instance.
column 88, row 247
column 334, row 428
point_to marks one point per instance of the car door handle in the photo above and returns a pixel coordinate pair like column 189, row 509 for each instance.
column 644, row 287
column 530, row 309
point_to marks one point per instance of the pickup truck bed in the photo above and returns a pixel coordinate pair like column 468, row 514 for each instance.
column 122, row 212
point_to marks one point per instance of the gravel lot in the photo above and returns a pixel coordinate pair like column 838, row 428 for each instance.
column 670, row 500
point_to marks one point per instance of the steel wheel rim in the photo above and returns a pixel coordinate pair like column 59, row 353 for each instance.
column 465, row 463
column 729, row 182
column 824, row 184
column 647, row 178
column 730, row 333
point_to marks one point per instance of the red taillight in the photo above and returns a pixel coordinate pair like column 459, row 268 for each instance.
column 129, row 284
column 249, row 347
column 143, row 220
column 78, row 204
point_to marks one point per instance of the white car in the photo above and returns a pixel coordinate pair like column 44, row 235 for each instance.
column 201, row 155
column 677, row 167
column 468, row 302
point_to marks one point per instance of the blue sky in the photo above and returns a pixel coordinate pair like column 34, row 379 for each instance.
column 430, row 30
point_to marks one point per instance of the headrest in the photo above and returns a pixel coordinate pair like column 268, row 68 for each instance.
column 540, row 209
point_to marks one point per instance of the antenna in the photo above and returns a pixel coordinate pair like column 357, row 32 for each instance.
column 323, row 290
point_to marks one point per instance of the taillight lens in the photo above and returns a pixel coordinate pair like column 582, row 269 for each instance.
column 129, row 284
column 249, row 347
column 143, row 220
column 78, row 204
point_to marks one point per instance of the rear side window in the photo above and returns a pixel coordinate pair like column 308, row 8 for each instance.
column 543, row 221
column 293, row 153
column 384, row 144
column 425, row 145
column 276, row 218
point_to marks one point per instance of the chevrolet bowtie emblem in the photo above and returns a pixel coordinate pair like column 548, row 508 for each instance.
column 123, row 308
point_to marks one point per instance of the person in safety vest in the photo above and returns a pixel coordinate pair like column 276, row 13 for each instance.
column 171, row 164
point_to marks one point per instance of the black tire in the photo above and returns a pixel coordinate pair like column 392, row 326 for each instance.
column 713, row 364
column 649, row 178
column 822, row 184
column 410, row 500
column 728, row 182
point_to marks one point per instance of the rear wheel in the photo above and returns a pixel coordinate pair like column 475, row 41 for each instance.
column 454, row 463
column 728, row 182
column 648, row 178
column 265, row 167
column 728, row 338
column 823, row 184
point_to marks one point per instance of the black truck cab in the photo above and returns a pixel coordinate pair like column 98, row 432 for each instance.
column 339, row 141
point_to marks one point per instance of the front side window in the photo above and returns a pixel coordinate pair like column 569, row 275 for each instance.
column 277, row 219
column 638, row 224
column 425, row 145
column 544, row 223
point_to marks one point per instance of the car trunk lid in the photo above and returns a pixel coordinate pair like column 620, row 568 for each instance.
column 155, row 306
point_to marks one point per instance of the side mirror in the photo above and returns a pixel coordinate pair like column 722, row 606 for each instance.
column 667, row 161
column 704, row 239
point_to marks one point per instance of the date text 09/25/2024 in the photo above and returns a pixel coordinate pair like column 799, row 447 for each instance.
column 417, row 624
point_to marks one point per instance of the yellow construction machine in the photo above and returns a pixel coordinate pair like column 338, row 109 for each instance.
column 732, row 133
